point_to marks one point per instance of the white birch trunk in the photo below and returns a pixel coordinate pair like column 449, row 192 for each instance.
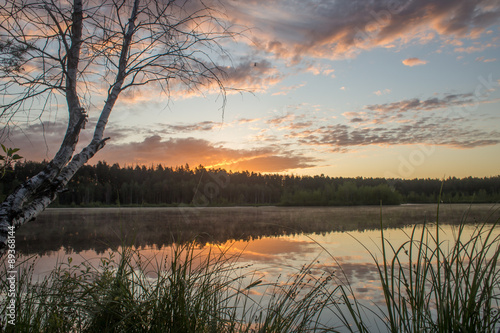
column 32, row 197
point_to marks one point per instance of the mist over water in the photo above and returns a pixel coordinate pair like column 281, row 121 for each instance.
column 270, row 243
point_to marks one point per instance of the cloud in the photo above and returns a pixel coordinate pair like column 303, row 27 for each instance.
column 38, row 141
column 342, row 29
column 472, row 49
column 280, row 119
column 482, row 59
column 356, row 120
column 185, row 128
column 41, row 141
column 447, row 121
column 251, row 74
column 419, row 132
column 317, row 69
column 248, row 120
column 416, row 104
column 382, row 92
column 246, row 74
column 179, row 151
column 271, row 163
column 299, row 125
column 414, row 62
column 286, row 89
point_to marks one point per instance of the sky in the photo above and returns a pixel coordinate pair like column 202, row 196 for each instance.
column 395, row 89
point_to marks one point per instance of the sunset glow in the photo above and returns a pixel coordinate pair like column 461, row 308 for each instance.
column 403, row 89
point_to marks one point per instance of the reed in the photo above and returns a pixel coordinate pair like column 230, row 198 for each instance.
column 189, row 292
column 429, row 285
column 434, row 286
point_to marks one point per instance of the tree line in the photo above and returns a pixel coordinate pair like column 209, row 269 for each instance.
column 112, row 185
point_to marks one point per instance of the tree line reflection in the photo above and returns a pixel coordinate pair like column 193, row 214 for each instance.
column 104, row 229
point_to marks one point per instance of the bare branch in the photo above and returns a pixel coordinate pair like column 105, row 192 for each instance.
column 70, row 48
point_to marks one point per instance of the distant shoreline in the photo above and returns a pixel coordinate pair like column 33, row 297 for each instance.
column 110, row 186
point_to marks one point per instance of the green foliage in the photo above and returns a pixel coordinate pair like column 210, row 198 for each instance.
column 429, row 286
column 7, row 159
column 433, row 286
column 295, row 305
column 111, row 185
column 347, row 194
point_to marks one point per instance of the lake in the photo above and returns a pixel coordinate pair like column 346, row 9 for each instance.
column 271, row 242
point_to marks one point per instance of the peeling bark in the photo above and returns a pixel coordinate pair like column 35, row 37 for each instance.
column 173, row 39
column 33, row 196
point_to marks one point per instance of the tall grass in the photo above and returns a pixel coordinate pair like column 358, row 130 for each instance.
column 187, row 292
column 431, row 285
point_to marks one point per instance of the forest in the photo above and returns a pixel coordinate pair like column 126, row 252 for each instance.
column 111, row 185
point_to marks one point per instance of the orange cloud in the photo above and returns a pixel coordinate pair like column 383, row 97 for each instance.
column 247, row 120
column 483, row 59
column 317, row 69
column 249, row 74
column 285, row 90
column 343, row 29
column 414, row 62
column 172, row 152
column 268, row 163
column 153, row 149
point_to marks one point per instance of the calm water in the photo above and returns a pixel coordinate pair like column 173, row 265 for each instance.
column 274, row 242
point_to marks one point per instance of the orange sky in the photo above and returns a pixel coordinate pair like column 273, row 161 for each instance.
column 390, row 89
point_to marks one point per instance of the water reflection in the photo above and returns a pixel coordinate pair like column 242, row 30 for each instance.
column 100, row 230
column 270, row 242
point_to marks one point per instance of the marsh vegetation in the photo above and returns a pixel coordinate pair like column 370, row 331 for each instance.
column 432, row 277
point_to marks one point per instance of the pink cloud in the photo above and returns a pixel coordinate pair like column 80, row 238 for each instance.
column 179, row 151
column 340, row 29
column 414, row 62
column 483, row 59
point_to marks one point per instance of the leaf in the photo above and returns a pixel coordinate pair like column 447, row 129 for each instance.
column 16, row 157
column 253, row 284
column 14, row 150
column 3, row 147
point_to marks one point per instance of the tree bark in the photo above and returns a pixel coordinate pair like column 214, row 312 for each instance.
column 33, row 196
column 176, row 59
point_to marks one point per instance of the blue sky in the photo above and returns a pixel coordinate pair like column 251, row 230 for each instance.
column 342, row 88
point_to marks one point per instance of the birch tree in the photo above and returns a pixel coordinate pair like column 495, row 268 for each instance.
column 67, row 49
